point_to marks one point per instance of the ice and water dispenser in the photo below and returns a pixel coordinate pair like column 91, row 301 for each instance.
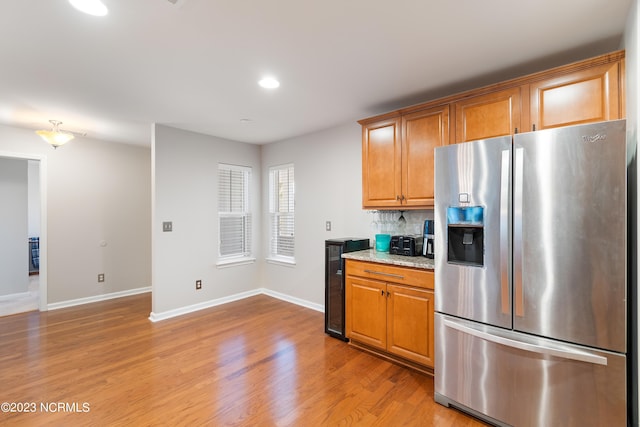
column 465, row 235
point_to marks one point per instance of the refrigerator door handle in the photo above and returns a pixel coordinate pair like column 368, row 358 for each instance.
column 578, row 355
column 504, row 231
column 517, row 232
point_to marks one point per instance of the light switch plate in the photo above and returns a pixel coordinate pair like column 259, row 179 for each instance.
column 167, row 226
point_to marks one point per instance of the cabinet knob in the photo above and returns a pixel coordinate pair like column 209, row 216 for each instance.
column 382, row 292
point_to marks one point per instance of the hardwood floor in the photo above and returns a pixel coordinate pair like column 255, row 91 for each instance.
column 255, row 362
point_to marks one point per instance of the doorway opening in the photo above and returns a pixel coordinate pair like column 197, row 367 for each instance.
column 23, row 281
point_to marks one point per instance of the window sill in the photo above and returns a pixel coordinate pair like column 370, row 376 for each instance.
column 231, row 262
column 287, row 262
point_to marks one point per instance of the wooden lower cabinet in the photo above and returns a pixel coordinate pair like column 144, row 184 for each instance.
column 393, row 319
column 409, row 319
column 367, row 309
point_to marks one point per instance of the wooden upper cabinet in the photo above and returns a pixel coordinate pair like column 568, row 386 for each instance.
column 585, row 96
column 397, row 159
column 397, row 147
column 422, row 132
column 489, row 115
column 381, row 163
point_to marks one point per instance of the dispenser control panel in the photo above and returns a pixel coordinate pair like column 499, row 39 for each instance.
column 465, row 233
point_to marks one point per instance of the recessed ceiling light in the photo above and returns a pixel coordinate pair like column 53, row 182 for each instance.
column 91, row 7
column 269, row 83
column 245, row 121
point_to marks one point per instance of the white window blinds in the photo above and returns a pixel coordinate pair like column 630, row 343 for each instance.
column 282, row 212
column 233, row 211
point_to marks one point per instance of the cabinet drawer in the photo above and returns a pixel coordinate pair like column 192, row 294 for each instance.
column 391, row 273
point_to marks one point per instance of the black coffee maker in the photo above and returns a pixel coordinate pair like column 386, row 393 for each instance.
column 428, row 243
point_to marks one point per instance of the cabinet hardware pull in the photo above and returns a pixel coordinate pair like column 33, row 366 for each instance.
column 516, row 130
column 384, row 274
column 534, row 127
column 381, row 292
column 388, row 294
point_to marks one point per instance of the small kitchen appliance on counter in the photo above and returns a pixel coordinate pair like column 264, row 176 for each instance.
column 427, row 246
column 334, row 283
column 406, row 245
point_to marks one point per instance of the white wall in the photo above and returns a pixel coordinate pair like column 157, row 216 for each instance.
column 185, row 170
column 14, row 265
column 97, row 192
column 328, row 185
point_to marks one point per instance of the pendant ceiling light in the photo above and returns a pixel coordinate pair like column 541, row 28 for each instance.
column 55, row 136
column 91, row 7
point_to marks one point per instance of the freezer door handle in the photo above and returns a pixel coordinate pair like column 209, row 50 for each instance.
column 581, row 356
column 517, row 232
column 504, row 231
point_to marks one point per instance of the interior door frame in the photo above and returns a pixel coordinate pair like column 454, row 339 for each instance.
column 42, row 303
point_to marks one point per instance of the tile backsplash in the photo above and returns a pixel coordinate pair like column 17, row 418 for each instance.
column 388, row 222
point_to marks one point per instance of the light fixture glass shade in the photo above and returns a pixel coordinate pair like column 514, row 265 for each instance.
column 91, row 7
column 55, row 137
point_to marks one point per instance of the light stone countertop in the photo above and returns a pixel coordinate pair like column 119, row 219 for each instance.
column 371, row 255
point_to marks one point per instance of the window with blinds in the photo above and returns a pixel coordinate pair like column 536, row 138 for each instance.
column 282, row 212
column 233, row 211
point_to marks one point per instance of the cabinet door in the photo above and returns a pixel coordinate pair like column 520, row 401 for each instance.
column 585, row 96
column 422, row 132
column 367, row 311
column 487, row 116
column 410, row 318
column 381, row 164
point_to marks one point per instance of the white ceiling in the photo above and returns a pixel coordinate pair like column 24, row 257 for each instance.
column 195, row 65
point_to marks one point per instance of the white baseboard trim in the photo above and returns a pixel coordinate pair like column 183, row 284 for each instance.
column 10, row 297
column 293, row 300
column 155, row 317
column 97, row 298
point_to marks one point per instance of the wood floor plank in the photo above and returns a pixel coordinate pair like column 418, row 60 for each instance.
column 255, row 362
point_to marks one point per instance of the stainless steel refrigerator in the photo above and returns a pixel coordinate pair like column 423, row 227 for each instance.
column 531, row 277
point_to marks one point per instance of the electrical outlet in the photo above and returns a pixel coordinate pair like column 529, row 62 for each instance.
column 327, row 225
column 100, row 277
column 198, row 284
column 167, row 226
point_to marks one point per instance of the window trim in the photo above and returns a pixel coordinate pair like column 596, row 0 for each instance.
column 274, row 258
column 236, row 258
